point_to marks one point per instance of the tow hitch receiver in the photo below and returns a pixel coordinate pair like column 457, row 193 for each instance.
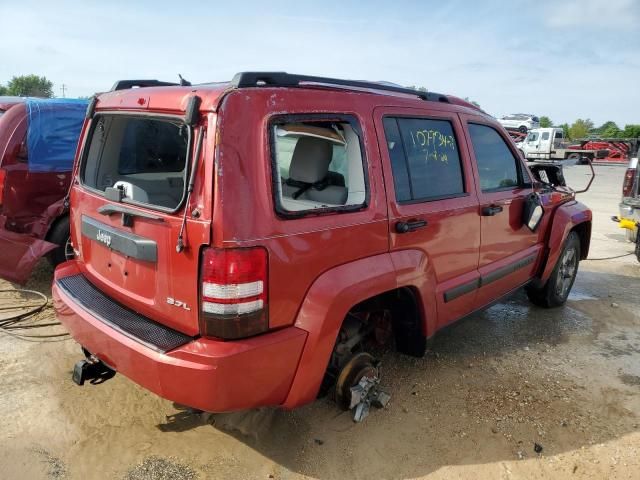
column 92, row 370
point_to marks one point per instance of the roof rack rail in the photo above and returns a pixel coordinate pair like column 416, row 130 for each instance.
column 127, row 84
column 284, row 79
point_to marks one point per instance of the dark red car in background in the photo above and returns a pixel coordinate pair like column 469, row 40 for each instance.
column 38, row 139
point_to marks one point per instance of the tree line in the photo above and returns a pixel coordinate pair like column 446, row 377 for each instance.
column 28, row 86
column 585, row 128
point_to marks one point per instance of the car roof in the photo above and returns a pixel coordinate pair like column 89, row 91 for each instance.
column 174, row 98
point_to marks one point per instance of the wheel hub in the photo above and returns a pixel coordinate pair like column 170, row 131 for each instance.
column 357, row 386
column 566, row 271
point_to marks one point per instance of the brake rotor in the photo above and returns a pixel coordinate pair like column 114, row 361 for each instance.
column 360, row 365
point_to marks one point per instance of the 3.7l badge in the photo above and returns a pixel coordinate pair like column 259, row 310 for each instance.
column 177, row 303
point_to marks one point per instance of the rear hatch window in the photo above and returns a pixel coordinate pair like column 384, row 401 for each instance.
column 145, row 157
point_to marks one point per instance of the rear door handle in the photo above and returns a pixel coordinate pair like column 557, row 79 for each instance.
column 491, row 210
column 410, row 226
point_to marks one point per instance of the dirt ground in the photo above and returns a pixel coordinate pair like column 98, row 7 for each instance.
column 491, row 388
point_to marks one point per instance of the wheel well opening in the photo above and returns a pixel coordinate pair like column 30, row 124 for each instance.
column 390, row 319
column 584, row 233
column 54, row 224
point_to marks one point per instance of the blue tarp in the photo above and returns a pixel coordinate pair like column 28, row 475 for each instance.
column 53, row 131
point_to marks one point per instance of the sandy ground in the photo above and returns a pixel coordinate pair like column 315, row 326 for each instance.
column 491, row 388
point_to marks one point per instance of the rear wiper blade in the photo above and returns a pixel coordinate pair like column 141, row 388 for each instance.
column 127, row 214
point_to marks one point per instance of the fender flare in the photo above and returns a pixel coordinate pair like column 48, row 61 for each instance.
column 325, row 306
column 566, row 217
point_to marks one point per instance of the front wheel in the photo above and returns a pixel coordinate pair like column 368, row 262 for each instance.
column 522, row 129
column 555, row 292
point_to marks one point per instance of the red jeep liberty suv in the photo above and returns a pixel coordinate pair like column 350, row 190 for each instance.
column 248, row 243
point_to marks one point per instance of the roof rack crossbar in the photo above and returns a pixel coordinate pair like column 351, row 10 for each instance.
column 127, row 84
column 284, row 79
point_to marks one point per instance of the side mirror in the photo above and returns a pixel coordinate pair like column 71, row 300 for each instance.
column 532, row 212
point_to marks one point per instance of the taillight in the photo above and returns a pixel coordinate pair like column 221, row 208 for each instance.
column 627, row 185
column 233, row 292
column 3, row 174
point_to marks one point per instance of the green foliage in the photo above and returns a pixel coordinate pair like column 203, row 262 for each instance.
column 611, row 130
column 607, row 130
column 30, row 86
column 580, row 129
column 545, row 122
column 4, row 90
column 631, row 131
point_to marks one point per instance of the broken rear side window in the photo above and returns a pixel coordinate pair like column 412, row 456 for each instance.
column 319, row 166
column 144, row 157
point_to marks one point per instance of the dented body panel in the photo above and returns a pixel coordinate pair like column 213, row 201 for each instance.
column 32, row 201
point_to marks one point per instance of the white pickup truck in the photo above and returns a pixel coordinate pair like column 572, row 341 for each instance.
column 550, row 144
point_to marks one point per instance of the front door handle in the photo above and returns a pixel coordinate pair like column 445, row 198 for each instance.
column 491, row 210
column 410, row 226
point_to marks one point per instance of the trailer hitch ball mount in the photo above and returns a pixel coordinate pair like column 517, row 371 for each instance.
column 91, row 370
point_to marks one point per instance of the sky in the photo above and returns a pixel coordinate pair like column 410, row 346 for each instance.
column 566, row 59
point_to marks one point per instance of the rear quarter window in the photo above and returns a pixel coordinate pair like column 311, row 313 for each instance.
column 319, row 165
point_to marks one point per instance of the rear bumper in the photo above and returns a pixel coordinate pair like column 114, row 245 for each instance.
column 206, row 374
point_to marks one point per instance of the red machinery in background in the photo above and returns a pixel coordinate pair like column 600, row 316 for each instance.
column 618, row 149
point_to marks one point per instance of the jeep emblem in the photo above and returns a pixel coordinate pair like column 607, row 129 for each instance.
column 103, row 238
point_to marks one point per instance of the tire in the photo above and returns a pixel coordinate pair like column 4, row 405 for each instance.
column 522, row 129
column 555, row 292
column 60, row 235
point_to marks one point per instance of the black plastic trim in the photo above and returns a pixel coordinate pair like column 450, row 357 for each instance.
column 491, row 277
column 127, row 84
column 284, row 79
column 128, row 244
column 507, row 269
column 460, row 290
column 135, row 326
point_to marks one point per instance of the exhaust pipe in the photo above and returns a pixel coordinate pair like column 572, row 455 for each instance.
column 92, row 370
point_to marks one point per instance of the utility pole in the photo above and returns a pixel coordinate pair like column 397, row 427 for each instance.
column 64, row 89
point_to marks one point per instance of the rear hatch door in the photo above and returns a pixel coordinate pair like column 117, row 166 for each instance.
column 128, row 214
